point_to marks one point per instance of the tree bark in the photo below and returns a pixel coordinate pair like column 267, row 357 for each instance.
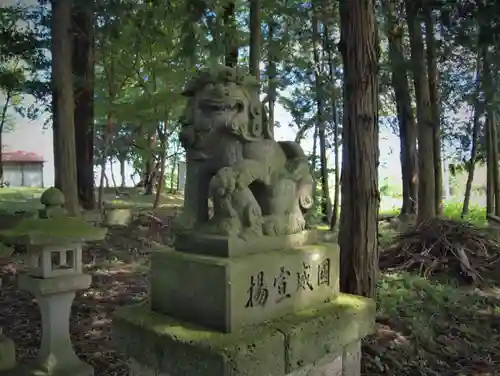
column 478, row 112
column 320, row 121
column 333, row 98
column 432, row 74
column 406, row 118
column 122, row 172
column 230, row 34
column 62, row 81
column 271, row 71
column 360, row 152
column 426, row 185
column 492, row 150
column 112, row 171
column 255, row 38
column 83, row 70
column 3, row 121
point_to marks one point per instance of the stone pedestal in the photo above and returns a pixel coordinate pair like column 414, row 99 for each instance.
column 117, row 215
column 271, row 313
column 55, row 297
column 322, row 341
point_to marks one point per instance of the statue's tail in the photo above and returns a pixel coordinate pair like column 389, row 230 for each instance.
column 299, row 168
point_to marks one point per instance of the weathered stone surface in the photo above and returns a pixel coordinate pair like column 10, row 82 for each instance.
column 57, row 285
column 313, row 334
column 222, row 246
column 174, row 348
column 346, row 362
column 117, row 216
column 351, row 359
column 228, row 293
column 7, row 353
column 77, row 368
column 258, row 186
column 162, row 346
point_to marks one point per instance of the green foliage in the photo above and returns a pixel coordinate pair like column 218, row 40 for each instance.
column 22, row 61
column 431, row 328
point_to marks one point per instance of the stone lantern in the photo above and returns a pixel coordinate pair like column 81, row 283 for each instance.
column 54, row 273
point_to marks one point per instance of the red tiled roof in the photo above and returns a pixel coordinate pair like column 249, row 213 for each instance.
column 21, row 156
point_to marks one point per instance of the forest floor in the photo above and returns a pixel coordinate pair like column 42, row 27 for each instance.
column 424, row 326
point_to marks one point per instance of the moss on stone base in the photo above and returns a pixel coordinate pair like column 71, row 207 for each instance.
column 314, row 333
column 272, row 349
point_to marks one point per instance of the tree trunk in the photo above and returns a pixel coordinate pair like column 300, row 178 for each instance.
column 271, row 71
column 360, row 153
column 163, row 159
column 122, row 172
column 333, row 77
column 149, row 170
column 432, row 74
column 426, row 186
column 255, row 39
column 107, row 137
column 105, row 180
column 173, row 185
column 320, row 122
column 83, row 71
column 113, row 178
column 492, row 150
column 230, row 35
column 478, row 112
column 406, row 119
column 315, row 167
column 3, row 121
column 62, row 81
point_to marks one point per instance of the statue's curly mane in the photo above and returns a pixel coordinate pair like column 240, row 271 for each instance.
column 221, row 75
column 258, row 126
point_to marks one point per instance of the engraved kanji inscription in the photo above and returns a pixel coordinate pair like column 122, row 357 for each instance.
column 304, row 278
column 324, row 272
column 281, row 283
column 258, row 293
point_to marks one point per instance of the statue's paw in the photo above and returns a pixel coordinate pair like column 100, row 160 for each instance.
column 183, row 221
column 224, row 182
column 229, row 226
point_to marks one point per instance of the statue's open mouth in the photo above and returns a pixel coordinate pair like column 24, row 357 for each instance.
column 215, row 106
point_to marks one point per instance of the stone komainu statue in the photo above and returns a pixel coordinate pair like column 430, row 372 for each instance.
column 258, row 186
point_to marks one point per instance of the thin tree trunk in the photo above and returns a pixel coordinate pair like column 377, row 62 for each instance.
column 360, row 158
column 271, row 71
column 478, row 112
column 314, row 166
column 406, row 119
column 83, row 70
column 432, row 74
column 172, row 178
column 107, row 137
column 163, row 158
column 113, row 178
column 230, row 35
column 255, row 38
column 122, row 172
column 492, row 150
column 426, row 185
column 3, row 121
column 335, row 117
column 320, row 121
column 62, row 80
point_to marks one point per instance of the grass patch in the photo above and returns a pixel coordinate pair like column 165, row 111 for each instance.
column 431, row 328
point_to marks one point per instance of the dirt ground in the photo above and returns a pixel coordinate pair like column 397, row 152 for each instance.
column 423, row 327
